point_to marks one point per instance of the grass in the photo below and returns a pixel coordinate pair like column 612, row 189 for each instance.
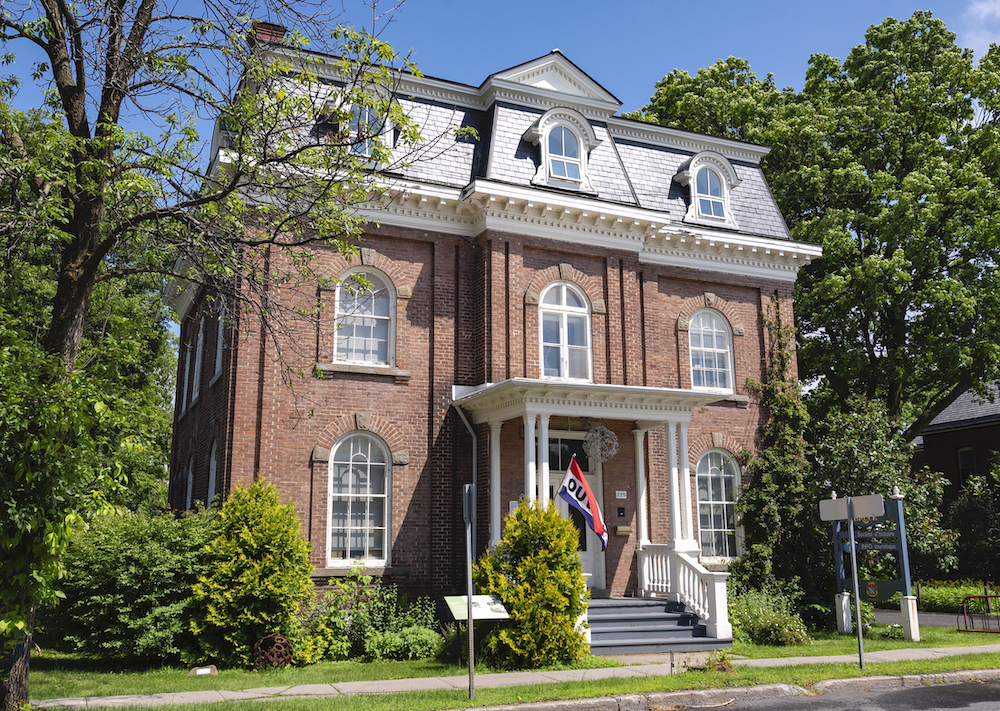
column 829, row 643
column 56, row 675
column 804, row 675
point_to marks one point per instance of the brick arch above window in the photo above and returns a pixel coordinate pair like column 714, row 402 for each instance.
column 370, row 258
column 701, row 444
column 565, row 272
column 708, row 300
column 364, row 421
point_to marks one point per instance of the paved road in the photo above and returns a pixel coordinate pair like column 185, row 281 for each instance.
column 931, row 619
column 975, row 697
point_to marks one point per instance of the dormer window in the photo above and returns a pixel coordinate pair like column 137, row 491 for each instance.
column 709, row 190
column 564, row 154
column 565, row 139
column 363, row 126
column 711, row 178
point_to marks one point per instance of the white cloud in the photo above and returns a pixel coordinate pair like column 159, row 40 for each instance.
column 980, row 26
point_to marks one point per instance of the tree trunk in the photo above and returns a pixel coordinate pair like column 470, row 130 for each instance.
column 14, row 673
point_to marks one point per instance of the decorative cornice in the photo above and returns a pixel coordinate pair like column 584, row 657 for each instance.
column 572, row 218
column 629, row 130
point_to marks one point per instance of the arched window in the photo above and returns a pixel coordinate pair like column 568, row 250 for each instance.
column 564, row 154
column 711, row 179
column 711, row 352
column 189, row 497
column 718, row 486
column 709, row 191
column 199, row 352
column 358, row 503
column 213, row 466
column 564, row 320
column 220, row 339
column 365, row 313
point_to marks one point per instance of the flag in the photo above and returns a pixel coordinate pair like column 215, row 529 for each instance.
column 576, row 492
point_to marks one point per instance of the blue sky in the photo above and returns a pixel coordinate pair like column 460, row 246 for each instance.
column 628, row 45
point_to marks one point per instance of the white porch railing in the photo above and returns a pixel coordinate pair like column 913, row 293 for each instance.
column 678, row 576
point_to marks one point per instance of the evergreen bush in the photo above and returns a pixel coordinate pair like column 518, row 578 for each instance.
column 535, row 571
column 128, row 586
column 258, row 582
column 765, row 619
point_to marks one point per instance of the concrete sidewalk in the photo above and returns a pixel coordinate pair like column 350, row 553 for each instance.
column 638, row 665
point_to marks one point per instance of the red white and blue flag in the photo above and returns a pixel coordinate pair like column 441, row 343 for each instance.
column 576, row 492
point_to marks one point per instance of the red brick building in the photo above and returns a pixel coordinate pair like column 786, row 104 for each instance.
column 570, row 273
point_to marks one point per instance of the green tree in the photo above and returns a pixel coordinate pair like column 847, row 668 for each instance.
column 114, row 185
column 535, row 571
column 257, row 580
column 891, row 161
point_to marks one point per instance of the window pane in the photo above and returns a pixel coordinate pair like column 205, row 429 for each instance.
column 377, row 479
column 702, row 181
column 556, row 141
column 573, row 171
column 569, row 144
column 551, row 358
column 559, row 169
column 714, row 185
column 578, row 365
column 376, row 545
column 576, row 330
column 551, row 328
column 339, row 479
column 573, row 300
column 705, row 206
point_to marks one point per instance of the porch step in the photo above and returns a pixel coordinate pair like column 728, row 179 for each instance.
column 646, row 626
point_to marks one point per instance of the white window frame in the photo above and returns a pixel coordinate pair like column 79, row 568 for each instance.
column 187, row 375
column 343, row 318
column 359, row 449
column 539, row 133
column 220, row 340
column 189, row 499
column 707, row 464
column 198, row 357
column 327, row 127
column 213, row 465
column 713, row 351
column 564, row 313
column 725, row 172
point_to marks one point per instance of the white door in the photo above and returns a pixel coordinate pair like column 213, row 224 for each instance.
column 562, row 447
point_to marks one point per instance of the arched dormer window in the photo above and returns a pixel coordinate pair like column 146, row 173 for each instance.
column 365, row 318
column 566, row 139
column 710, row 178
column 564, row 323
column 711, row 346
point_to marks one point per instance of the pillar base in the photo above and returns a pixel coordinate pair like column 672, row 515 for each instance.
column 842, row 610
column 911, row 626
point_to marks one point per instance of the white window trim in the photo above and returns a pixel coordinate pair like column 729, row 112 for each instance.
column 391, row 290
column 347, row 562
column 730, row 359
column 688, row 177
column 564, row 311
column 220, row 340
column 738, row 531
column 213, row 465
column 348, row 111
column 190, row 484
column 538, row 134
column 198, row 357
column 187, row 374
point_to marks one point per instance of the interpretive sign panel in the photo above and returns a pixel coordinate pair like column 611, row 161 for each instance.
column 871, row 506
column 484, row 607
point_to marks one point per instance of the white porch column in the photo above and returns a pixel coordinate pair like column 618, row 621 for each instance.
column 641, row 520
column 543, row 460
column 674, row 489
column 530, row 491
column 495, row 510
column 686, row 484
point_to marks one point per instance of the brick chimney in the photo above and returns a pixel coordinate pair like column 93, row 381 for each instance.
column 266, row 32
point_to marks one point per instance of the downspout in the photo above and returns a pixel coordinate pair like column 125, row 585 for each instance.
column 475, row 453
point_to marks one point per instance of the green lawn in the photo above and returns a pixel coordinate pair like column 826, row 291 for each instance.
column 56, row 675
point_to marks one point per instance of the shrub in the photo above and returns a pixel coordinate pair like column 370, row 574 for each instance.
column 128, row 586
column 535, row 571
column 766, row 619
column 409, row 643
column 947, row 595
column 258, row 581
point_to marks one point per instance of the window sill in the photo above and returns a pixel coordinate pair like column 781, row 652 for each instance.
column 328, row 370
column 215, row 379
column 377, row 570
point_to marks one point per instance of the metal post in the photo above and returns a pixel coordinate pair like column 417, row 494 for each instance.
column 857, row 591
column 470, row 498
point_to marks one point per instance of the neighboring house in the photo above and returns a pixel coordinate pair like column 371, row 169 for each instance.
column 569, row 270
column 962, row 441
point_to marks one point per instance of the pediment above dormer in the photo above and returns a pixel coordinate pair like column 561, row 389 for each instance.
column 552, row 79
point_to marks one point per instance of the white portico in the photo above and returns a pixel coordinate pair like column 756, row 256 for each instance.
column 669, row 569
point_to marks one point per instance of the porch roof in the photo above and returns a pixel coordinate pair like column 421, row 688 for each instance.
column 649, row 407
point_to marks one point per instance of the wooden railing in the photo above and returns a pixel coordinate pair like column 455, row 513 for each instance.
column 678, row 576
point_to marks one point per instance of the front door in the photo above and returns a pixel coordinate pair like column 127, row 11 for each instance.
column 561, row 450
